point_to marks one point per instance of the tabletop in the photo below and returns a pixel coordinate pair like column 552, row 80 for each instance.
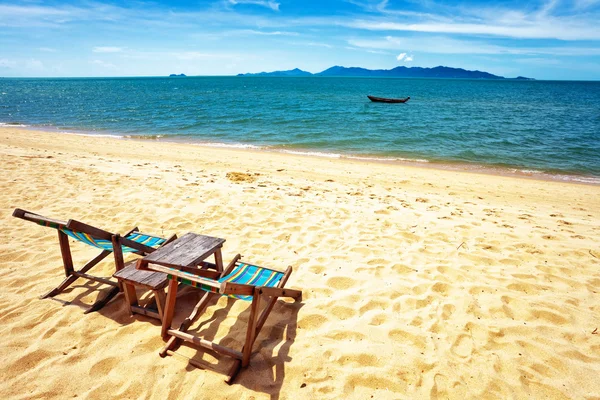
column 188, row 250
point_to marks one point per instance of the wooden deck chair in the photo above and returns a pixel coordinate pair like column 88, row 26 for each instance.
column 132, row 242
column 240, row 281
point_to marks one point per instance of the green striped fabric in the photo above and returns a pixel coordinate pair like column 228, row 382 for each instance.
column 245, row 274
column 103, row 244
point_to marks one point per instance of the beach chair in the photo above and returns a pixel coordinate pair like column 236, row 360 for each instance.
column 132, row 242
column 238, row 280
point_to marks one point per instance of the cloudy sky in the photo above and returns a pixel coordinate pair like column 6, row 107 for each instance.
column 556, row 39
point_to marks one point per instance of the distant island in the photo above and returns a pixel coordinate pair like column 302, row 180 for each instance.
column 172, row 75
column 398, row 72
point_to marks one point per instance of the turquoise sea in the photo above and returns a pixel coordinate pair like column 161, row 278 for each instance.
column 540, row 128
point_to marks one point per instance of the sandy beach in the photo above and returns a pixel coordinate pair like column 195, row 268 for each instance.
column 418, row 282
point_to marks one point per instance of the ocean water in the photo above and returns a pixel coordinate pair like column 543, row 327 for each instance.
column 529, row 127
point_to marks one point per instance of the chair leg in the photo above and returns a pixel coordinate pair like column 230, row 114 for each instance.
column 169, row 308
column 65, row 251
column 72, row 278
column 159, row 296
column 130, row 296
column 233, row 371
column 251, row 331
column 175, row 342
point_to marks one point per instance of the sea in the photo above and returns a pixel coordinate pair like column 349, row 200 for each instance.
column 545, row 129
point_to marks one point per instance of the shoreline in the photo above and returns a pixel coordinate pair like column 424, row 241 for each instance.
column 447, row 165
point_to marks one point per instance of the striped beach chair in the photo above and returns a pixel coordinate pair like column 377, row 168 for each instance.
column 239, row 280
column 132, row 242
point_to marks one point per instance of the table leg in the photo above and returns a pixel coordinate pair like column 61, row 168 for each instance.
column 219, row 260
column 169, row 307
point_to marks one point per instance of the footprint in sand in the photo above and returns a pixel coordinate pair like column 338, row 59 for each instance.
column 343, row 312
column 341, row 282
column 103, row 367
column 398, row 335
column 312, row 321
column 462, row 346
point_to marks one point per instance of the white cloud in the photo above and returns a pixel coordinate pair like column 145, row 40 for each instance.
column 269, row 4
column 5, row 63
column 404, row 57
column 255, row 32
column 34, row 64
column 107, row 49
column 446, row 45
column 551, row 29
column 103, row 64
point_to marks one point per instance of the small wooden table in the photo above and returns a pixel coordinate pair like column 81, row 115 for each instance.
column 185, row 253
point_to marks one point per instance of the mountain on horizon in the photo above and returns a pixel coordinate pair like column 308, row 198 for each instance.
column 291, row 72
column 398, row 72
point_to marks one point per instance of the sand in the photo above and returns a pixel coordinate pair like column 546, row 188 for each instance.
column 417, row 282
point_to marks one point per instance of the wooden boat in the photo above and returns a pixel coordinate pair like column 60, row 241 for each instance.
column 384, row 100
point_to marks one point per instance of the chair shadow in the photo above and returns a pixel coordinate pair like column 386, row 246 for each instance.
column 264, row 376
column 280, row 327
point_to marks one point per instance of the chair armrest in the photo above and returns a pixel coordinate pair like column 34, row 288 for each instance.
column 33, row 217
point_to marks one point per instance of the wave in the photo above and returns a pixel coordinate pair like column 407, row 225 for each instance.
column 102, row 135
column 13, row 124
column 230, row 145
column 144, row 137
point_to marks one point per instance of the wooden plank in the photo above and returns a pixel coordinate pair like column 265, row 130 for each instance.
column 251, row 331
column 159, row 296
column 155, row 280
column 169, row 307
column 228, row 288
column 281, row 292
column 163, row 352
column 33, row 217
column 65, row 251
column 98, row 233
column 188, row 250
column 197, row 279
column 167, row 248
column 142, row 248
column 118, row 252
column 130, row 296
column 144, row 278
column 219, row 259
column 205, row 273
column 231, row 265
column 145, row 311
column 265, row 314
column 233, row 371
column 205, row 343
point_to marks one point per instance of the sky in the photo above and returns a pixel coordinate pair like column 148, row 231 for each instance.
column 555, row 39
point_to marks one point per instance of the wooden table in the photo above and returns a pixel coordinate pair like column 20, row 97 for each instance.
column 185, row 254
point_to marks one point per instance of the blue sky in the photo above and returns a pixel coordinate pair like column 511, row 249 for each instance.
column 556, row 39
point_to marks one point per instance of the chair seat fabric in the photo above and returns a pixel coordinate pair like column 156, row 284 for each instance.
column 147, row 240
column 245, row 274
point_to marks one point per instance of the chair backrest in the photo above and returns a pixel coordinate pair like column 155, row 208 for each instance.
column 133, row 242
column 85, row 233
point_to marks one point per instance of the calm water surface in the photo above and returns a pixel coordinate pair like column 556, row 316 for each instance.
column 536, row 127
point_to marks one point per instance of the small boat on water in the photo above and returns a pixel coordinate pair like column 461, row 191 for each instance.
column 385, row 100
